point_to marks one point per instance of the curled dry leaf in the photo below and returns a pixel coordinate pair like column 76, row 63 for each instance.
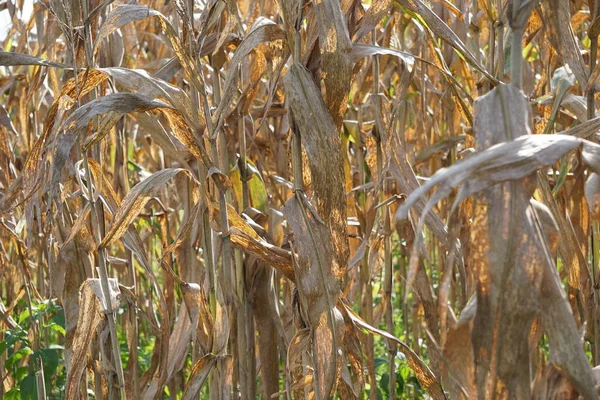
column 199, row 313
column 198, row 376
column 265, row 31
column 14, row 59
column 139, row 81
column 135, row 200
column 77, row 124
column 120, row 16
column 564, row 41
column 86, row 83
column 114, row 295
column 374, row 14
column 274, row 256
column 425, row 376
column 441, row 29
column 322, row 144
column 318, row 291
column 592, row 194
column 90, row 318
column 174, row 354
column 335, row 47
column 502, row 162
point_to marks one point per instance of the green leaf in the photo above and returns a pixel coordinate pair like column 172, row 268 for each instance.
column 28, row 388
column 384, row 383
column 21, row 372
column 13, row 336
column 24, row 316
column 18, row 355
column 56, row 328
column 50, row 361
column 12, row 394
column 379, row 361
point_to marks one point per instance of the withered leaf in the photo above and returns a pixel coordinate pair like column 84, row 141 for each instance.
column 266, row 31
column 558, row 15
column 121, row 15
column 502, row 162
column 198, row 376
column 90, row 317
column 425, row 376
column 135, row 200
column 13, row 59
column 441, row 29
column 318, row 289
column 322, row 143
column 77, row 124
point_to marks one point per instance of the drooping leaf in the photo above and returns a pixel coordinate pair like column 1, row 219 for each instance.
column 198, row 376
column 318, row 290
column 13, row 59
column 134, row 202
column 322, row 144
column 441, row 29
column 502, row 162
column 265, row 31
column 425, row 376
column 77, row 124
column 90, row 316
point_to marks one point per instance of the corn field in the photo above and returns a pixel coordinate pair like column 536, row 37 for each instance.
column 300, row 199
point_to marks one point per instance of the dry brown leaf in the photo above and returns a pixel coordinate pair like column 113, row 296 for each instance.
column 264, row 31
column 592, row 194
column 139, row 81
column 201, row 318
column 174, row 354
column 86, row 83
column 13, row 59
column 502, row 162
column 90, row 318
column 425, row 376
column 374, row 14
column 134, row 202
column 77, row 124
column 336, row 63
column 318, row 290
column 441, row 29
column 322, row 144
column 276, row 257
column 198, row 376
column 558, row 15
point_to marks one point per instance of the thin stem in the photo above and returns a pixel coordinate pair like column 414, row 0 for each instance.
column 516, row 63
column 499, row 25
column 98, row 218
column 219, row 152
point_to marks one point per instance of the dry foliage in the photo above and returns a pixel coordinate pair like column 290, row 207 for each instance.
column 300, row 199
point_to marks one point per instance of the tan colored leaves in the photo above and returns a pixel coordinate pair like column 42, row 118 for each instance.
column 426, row 378
column 322, row 144
column 502, row 162
column 318, row 289
column 13, row 59
column 77, row 124
column 90, row 317
column 513, row 269
column 122, row 15
column 198, row 376
column 134, row 202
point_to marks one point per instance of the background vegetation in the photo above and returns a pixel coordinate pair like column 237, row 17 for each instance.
column 299, row 199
